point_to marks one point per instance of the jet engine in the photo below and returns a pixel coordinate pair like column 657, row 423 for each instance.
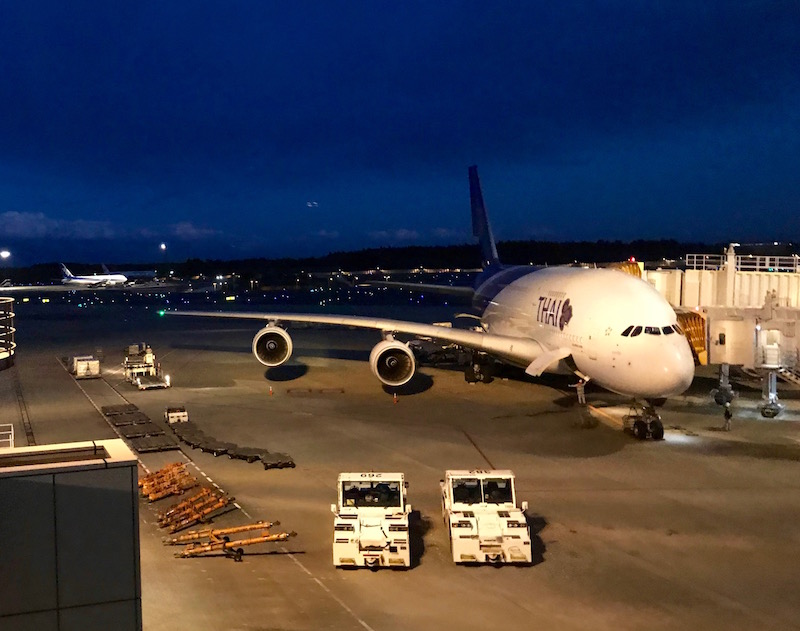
column 392, row 362
column 272, row 345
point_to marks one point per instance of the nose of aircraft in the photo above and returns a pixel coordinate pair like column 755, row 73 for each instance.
column 678, row 367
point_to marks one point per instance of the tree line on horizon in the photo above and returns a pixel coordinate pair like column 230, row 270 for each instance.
column 406, row 257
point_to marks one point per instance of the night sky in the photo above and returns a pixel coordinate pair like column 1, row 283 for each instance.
column 237, row 129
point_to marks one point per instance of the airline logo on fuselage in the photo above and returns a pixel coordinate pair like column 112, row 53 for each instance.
column 554, row 311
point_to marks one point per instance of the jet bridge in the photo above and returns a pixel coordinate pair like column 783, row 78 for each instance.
column 739, row 310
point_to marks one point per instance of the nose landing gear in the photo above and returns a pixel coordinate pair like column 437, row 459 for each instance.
column 644, row 422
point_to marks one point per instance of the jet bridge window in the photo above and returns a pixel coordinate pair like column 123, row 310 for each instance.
column 637, row 330
column 652, row 330
column 627, row 331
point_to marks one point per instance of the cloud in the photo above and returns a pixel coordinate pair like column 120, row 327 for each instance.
column 37, row 225
column 398, row 234
column 448, row 233
column 28, row 225
column 187, row 231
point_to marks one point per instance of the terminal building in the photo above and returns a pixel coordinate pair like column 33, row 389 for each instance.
column 70, row 529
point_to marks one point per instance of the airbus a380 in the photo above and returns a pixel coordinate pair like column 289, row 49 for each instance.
column 602, row 325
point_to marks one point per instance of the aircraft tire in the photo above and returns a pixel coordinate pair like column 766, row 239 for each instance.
column 640, row 430
column 657, row 430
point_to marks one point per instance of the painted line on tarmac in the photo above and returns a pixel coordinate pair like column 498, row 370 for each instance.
column 341, row 603
column 327, row 590
column 100, row 412
column 324, row 587
column 478, row 449
column 606, row 418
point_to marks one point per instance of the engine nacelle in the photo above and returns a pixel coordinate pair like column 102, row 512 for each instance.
column 392, row 362
column 272, row 345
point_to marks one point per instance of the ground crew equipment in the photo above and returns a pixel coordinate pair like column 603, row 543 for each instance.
column 480, row 511
column 370, row 526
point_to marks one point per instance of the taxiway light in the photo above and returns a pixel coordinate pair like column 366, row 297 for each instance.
column 162, row 312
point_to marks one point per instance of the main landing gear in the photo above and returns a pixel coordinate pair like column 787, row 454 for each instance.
column 644, row 422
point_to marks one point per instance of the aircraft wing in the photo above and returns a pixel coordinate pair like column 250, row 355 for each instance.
column 517, row 350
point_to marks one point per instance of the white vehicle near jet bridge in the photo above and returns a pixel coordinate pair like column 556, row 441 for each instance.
column 486, row 526
column 371, row 521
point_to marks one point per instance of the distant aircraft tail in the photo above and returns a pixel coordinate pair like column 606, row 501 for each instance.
column 480, row 222
column 66, row 272
column 105, row 269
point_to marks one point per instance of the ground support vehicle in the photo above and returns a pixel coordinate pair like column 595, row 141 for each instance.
column 85, row 367
column 480, row 511
column 142, row 370
column 176, row 415
column 371, row 521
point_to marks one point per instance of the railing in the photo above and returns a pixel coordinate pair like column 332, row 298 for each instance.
column 745, row 263
column 7, row 435
column 7, row 331
column 705, row 261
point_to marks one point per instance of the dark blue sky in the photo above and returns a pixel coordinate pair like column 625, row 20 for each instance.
column 233, row 129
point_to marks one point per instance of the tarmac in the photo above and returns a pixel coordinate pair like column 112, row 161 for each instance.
column 695, row 531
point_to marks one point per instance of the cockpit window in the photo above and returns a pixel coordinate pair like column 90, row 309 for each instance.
column 678, row 329
column 652, row 330
column 636, row 331
column 627, row 331
column 667, row 330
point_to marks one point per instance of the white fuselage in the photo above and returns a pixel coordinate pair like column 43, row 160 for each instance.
column 587, row 311
column 97, row 280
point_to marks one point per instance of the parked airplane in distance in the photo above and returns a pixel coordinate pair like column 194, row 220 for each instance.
column 134, row 275
column 598, row 324
column 95, row 280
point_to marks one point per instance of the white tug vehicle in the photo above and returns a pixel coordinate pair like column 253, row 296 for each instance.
column 371, row 521
column 480, row 510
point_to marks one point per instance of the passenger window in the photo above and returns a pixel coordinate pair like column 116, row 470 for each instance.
column 667, row 330
column 627, row 331
column 636, row 331
column 652, row 330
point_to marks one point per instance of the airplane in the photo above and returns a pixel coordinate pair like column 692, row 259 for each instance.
column 95, row 280
column 133, row 276
column 598, row 324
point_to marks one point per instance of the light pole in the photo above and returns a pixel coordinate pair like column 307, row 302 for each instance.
column 163, row 248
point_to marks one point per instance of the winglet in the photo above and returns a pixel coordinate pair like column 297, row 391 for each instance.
column 480, row 221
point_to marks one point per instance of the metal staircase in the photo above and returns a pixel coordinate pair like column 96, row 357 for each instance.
column 792, row 375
